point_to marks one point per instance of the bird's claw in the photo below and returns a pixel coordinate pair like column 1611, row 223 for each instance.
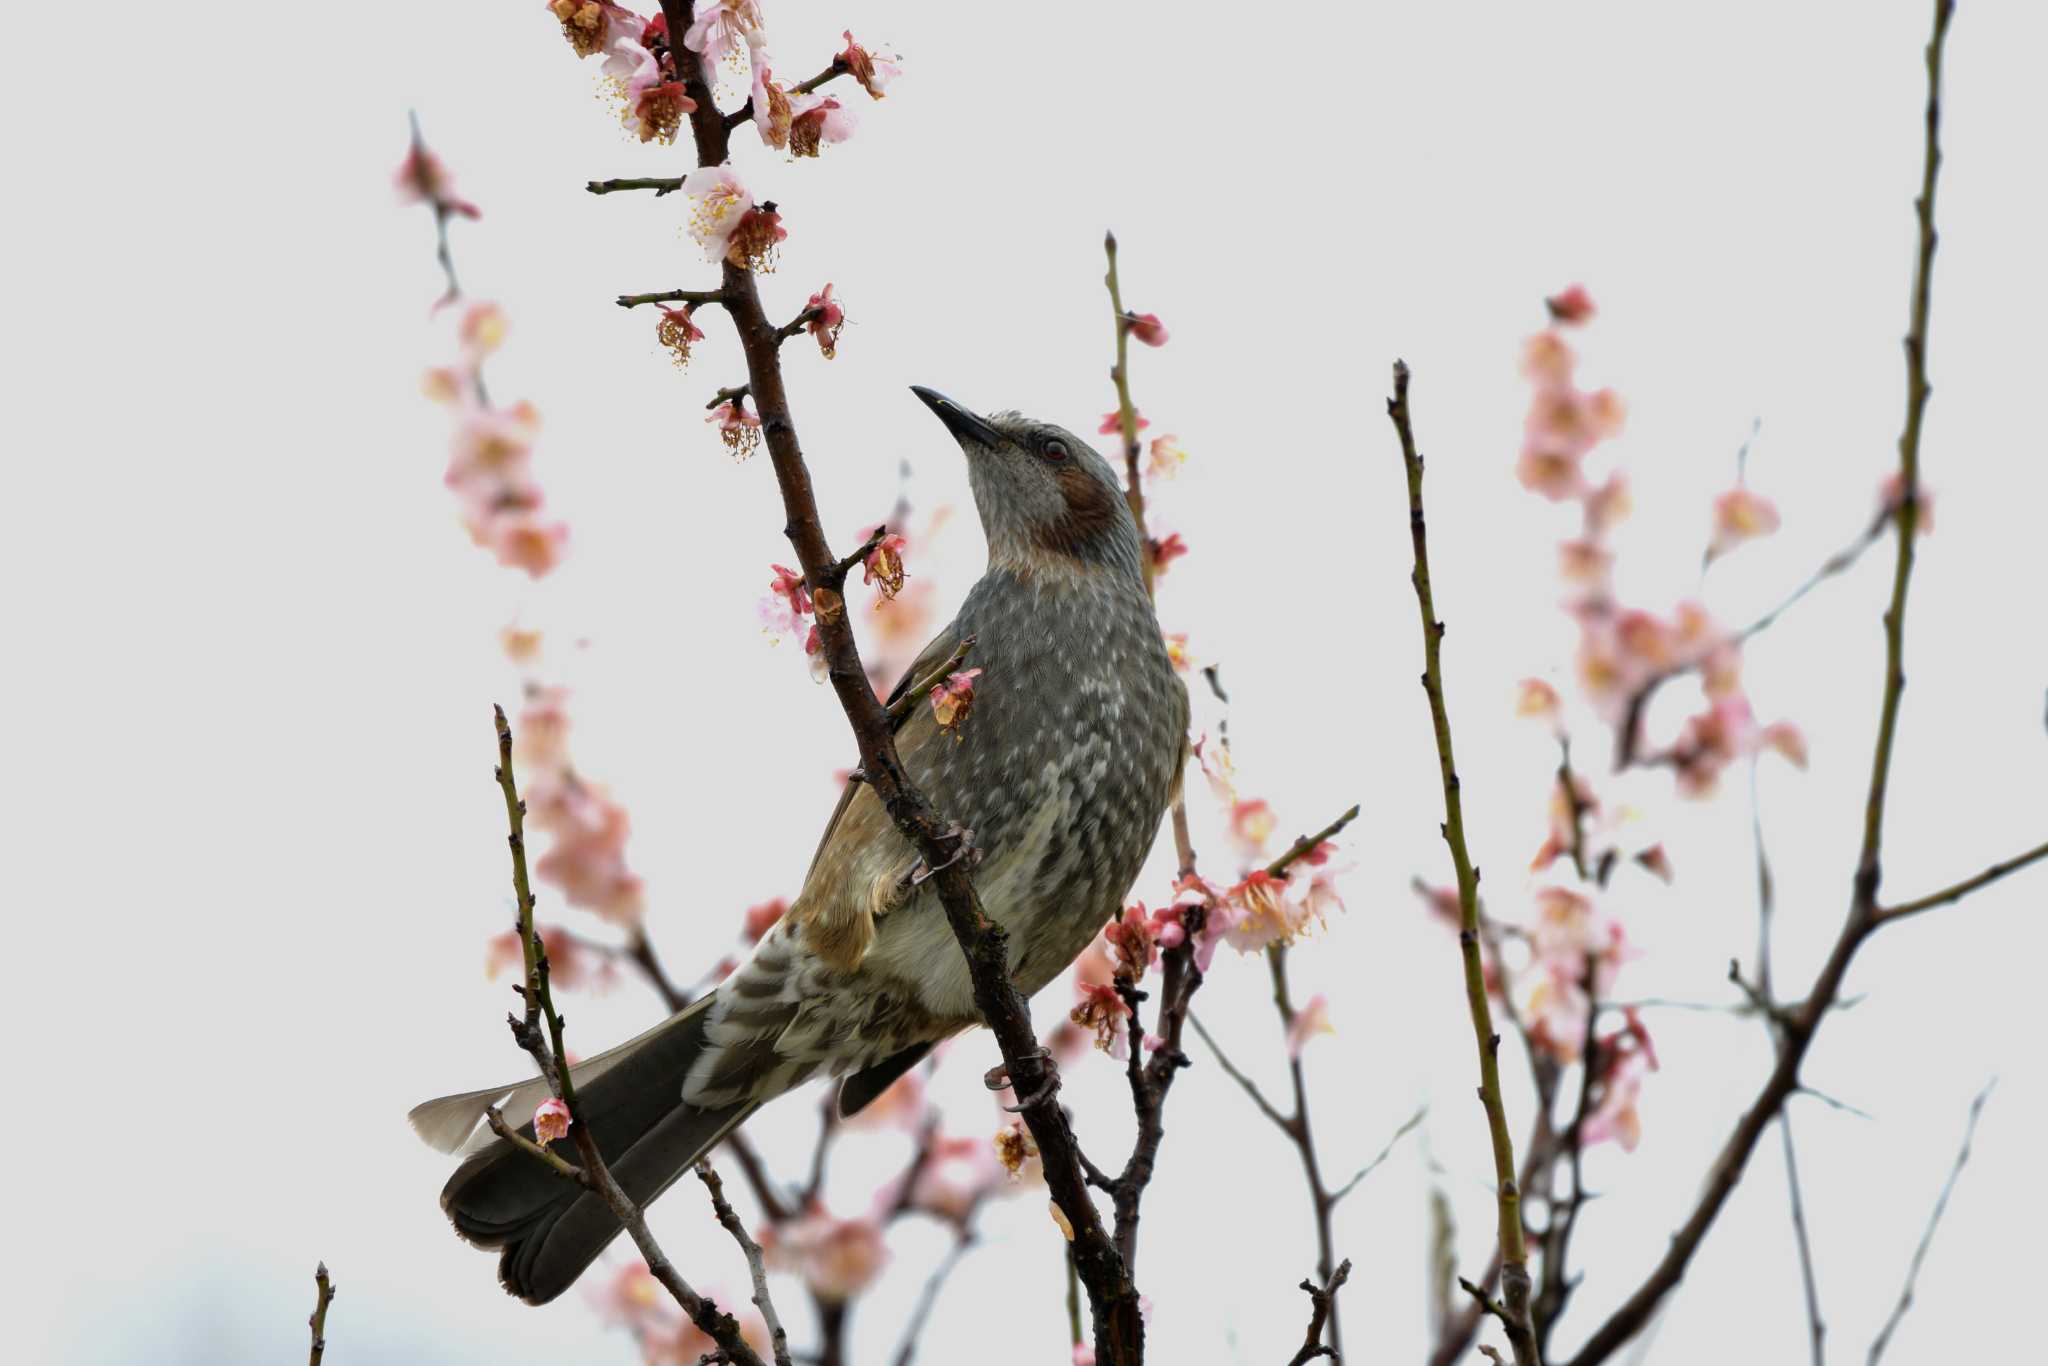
column 998, row 1077
column 965, row 850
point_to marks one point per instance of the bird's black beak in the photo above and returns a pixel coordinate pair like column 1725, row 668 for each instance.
column 964, row 426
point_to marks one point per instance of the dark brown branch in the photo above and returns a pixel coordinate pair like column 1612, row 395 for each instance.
column 798, row 324
column 661, row 185
column 699, row 297
column 1962, row 889
column 323, row 1295
column 1515, row 1284
column 1322, row 1309
column 757, row 1266
column 1948, row 1188
column 1113, row 1298
column 1798, row 1031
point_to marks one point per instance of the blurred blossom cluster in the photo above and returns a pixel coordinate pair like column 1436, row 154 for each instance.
column 490, row 461
column 1626, row 649
column 632, row 1299
column 1556, row 967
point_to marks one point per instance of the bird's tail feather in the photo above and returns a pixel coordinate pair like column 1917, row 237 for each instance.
column 548, row 1228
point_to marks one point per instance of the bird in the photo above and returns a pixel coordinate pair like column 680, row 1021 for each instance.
column 1072, row 754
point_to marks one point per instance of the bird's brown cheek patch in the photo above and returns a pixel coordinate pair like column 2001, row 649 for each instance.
column 1089, row 513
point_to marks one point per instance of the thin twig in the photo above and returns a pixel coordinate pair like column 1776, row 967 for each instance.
column 1948, row 1188
column 1962, row 889
column 323, row 1295
column 549, row 1054
column 1251, row 1088
column 921, row 1312
column 1322, row 1306
column 1408, row 1126
column 1127, row 412
column 1515, row 1285
column 699, row 297
column 1816, row 1326
column 1628, row 736
column 757, row 1266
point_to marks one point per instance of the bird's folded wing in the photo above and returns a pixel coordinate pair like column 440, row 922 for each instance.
column 856, row 875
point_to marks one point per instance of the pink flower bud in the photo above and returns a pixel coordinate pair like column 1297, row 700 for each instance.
column 1113, row 423
column 1571, row 307
column 1146, row 327
column 550, row 1121
column 1165, row 550
column 760, row 919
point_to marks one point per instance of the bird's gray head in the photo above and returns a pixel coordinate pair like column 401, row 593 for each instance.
column 1049, row 504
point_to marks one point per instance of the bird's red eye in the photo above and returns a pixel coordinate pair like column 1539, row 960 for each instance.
column 1054, row 450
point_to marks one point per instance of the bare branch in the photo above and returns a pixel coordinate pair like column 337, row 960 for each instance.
column 1515, row 1283
column 1322, row 1300
column 1962, row 889
column 1408, row 1127
column 323, row 1295
column 1282, row 1122
column 757, row 1266
column 1948, row 1187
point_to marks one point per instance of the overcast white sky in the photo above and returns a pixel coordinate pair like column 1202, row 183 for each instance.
column 252, row 846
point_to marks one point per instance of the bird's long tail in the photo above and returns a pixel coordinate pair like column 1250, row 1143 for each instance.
column 548, row 1228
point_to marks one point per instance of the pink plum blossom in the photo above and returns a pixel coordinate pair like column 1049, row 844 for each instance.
column 718, row 201
column 1164, row 457
column 883, row 565
column 739, row 429
column 1104, row 1012
column 1251, row 824
column 837, row 1258
column 1740, row 515
column 953, row 699
column 593, row 26
column 1113, row 423
column 1311, row 1020
column 830, row 317
column 818, row 119
column 872, row 70
column 676, row 331
column 422, row 178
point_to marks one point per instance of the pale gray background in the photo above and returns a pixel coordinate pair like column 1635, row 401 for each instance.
column 253, row 848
